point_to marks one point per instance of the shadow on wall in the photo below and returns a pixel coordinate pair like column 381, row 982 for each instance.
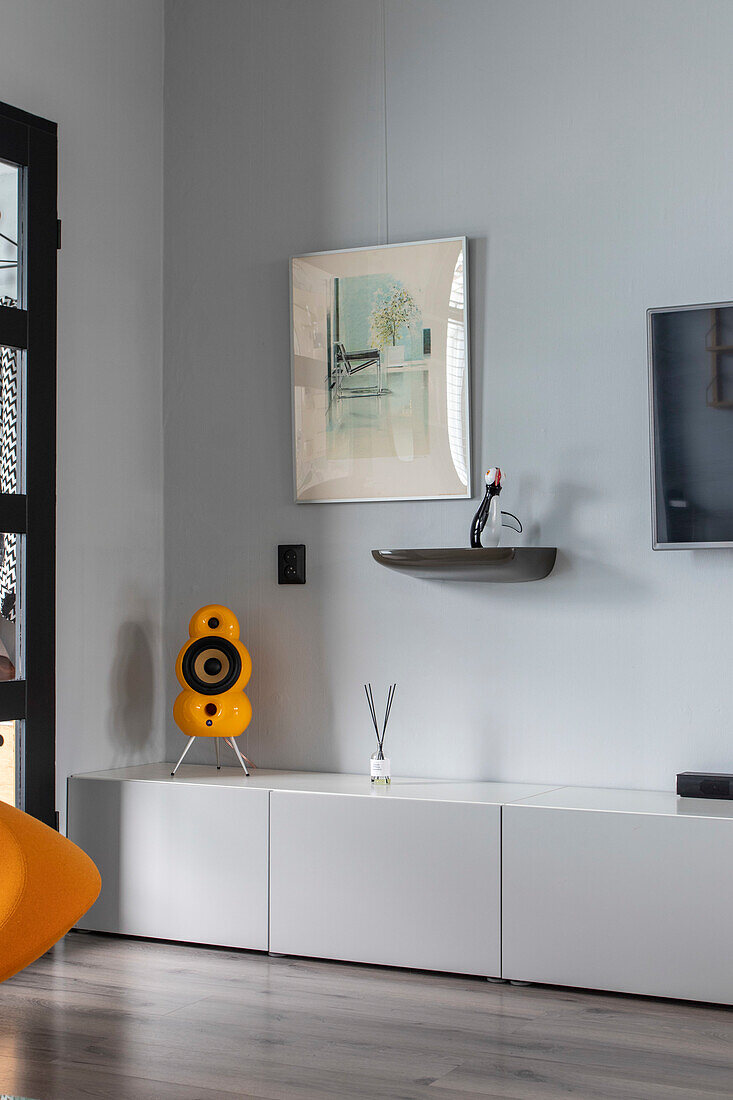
column 562, row 505
column 133, row 686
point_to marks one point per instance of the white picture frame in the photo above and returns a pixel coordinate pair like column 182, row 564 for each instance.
column 380, row 376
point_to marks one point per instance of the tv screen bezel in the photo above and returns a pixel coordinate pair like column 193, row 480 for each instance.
column 656, row 544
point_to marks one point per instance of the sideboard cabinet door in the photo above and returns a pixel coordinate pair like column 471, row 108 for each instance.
column 634, row 902
column 178, row 861
column 400, row 882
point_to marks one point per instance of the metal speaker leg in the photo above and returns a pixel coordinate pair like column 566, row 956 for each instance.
column 218, row 764
column 188, row 746
column 235, row 746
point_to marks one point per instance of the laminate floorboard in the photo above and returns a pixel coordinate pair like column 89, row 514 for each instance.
column 115, row 1019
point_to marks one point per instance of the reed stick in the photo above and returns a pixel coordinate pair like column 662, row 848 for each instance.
column 390, row 697
column 370, row 704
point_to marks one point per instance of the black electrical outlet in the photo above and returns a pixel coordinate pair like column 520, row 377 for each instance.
column 291, row 564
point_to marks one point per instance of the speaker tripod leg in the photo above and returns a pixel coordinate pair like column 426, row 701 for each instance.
column 188, row 746
column 231, row 741
column 218, row 763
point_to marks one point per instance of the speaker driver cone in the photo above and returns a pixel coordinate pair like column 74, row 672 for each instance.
column 211, row 665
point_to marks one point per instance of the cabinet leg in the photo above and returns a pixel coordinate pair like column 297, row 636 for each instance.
column 512, row 982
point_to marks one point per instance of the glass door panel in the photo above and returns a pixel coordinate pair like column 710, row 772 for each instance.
column 10, row 234
column 11, row 609
column 10, row 754
column 12, row 363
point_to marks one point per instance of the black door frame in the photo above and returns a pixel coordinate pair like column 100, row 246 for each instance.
column 32, row 142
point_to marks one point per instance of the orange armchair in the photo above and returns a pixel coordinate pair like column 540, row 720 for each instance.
column 46, row 884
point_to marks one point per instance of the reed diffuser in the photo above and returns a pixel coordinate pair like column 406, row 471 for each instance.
column 379, row 765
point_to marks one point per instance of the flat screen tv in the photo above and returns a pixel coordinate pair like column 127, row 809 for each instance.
column 691, row 415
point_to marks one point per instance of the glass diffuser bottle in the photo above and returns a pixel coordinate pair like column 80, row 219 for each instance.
column 380, row 768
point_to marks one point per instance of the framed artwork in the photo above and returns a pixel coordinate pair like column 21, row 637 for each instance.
column 380, row 383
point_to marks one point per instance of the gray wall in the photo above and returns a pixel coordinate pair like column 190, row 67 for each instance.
column 585, row 148
column 95, row 67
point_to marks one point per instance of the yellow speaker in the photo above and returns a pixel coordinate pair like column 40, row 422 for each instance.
column 213, row 669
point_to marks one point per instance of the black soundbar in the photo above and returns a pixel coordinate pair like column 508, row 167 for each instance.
column 704, row 785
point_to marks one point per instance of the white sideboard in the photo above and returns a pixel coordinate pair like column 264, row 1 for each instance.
column 408, row 875
column 620, row 890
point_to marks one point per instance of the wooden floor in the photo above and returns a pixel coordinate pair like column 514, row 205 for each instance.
column 115, row 1018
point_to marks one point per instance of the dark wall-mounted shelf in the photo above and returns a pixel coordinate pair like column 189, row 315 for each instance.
column 499, row 564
